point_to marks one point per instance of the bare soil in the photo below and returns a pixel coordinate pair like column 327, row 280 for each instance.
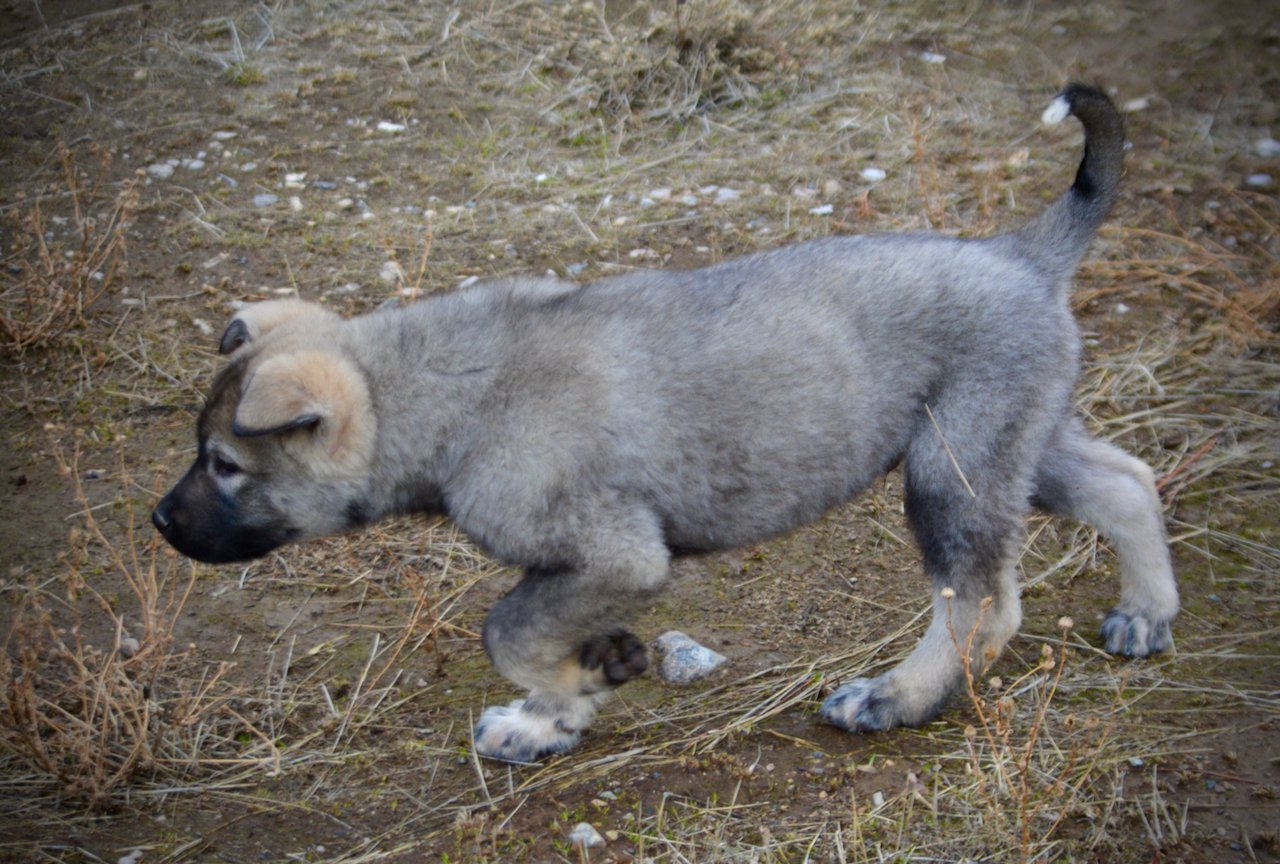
column 534, row 136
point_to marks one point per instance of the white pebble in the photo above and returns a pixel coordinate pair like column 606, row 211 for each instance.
column 877, row 800
column 295, row 180
column 132, row 858
column 1122, row 308
column 224, row 135
column 203, row 326
column 160, row 170
column 345, row 203
column 583, row 834
column 1139, row 104
column 248, row 167
column 688, row 200
column 390, row 128
column 821, row 210
column 193, row 164
column 873, row 175
column 931, row 57
column 1258, row 179
column 1267, row 147
column 540, row 178
column 129, row 647
column 295, row 203
column 724, row 193
column 643, row 252
column 265, row 199
column 684, row 660
column 391, row 274
column 660, row 194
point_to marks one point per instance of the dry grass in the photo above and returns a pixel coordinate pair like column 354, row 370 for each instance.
column 98, row 708
column 57, row 266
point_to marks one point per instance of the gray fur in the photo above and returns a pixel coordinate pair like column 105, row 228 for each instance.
column 587, row 434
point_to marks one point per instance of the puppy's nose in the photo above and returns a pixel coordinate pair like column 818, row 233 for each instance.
column 160, row 516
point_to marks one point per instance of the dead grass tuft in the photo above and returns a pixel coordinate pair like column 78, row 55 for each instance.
column 60, row 265
column 691, row 58
column 96, row 703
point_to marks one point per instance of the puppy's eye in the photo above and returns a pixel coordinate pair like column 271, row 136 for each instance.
column 224, row 467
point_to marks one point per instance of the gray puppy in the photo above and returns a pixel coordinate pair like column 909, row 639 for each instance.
column 588, row 434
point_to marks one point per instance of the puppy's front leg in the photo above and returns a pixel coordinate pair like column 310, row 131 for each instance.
column 558, row 633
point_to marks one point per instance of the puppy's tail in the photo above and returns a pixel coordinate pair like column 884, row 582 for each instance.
column 1056, row 239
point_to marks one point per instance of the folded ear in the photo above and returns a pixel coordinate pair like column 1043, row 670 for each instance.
column 254, row 321
column 320, row 399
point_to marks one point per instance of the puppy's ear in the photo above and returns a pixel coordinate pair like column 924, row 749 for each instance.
column 255, row 321
column 319, row 401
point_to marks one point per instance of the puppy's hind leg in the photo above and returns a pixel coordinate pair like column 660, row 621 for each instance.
column 559, row 633
column 1101, row 485
column 966, row 542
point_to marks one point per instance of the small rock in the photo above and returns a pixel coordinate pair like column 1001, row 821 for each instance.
column 132, row 858
column 873, row 175
column 660, row 194
column 224, row 135
column 248, row 167
column 1136, row 762
column 193, row 164
column 295, row 180
column 203, row 326
column 390, row 128
column 688, row 200
column 160, row 170
column 821, row 210
column 1259, row 179
column 325, row 184
column 129, row 647
column 585, row 835
column 931, row 57
column 831, row 188
column 295, row 203
column 1267, row 148
column 1122, row 308
column 391, row 273
column 643, row 252
column 1139, row 104
column 724, row 193
column 684, row 660
column 265, row 199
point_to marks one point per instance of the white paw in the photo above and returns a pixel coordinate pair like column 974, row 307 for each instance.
column 513, row 734
column 859, row 706
column 1135, row 635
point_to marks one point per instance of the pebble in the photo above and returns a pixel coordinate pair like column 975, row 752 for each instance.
column 1259, row 179
column 295, row 203
column 132, row 858
column 296, row 180
column 688, row 200
column 931, row 57
column 193, row 164
column 390, row 128
column 224, row 135
column 129, row 647
column 585, row 835
column 160, row 170
column 1267, row 147
column 660, row 194
column 821, row 210
column 248, row 166
column 684, row 660
column 265, row 199
column 873, row 175
column 391, row 274
column 724, row 193
column 1139, row 104
column 325, row 184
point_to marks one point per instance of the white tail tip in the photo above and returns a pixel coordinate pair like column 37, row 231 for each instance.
column 1057, row 111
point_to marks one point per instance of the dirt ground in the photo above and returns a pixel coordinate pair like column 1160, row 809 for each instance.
column 317, row 705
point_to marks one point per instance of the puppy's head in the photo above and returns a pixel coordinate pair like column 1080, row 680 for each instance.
column 285, row 440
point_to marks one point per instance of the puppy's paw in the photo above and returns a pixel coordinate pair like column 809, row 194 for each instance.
column 862, row 705
column 1135, row 635
column 618, row 656
column 513, row 734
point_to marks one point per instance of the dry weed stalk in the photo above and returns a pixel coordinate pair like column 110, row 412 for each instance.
column 1013, row 761
column 93, row 705
column 51, row 283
